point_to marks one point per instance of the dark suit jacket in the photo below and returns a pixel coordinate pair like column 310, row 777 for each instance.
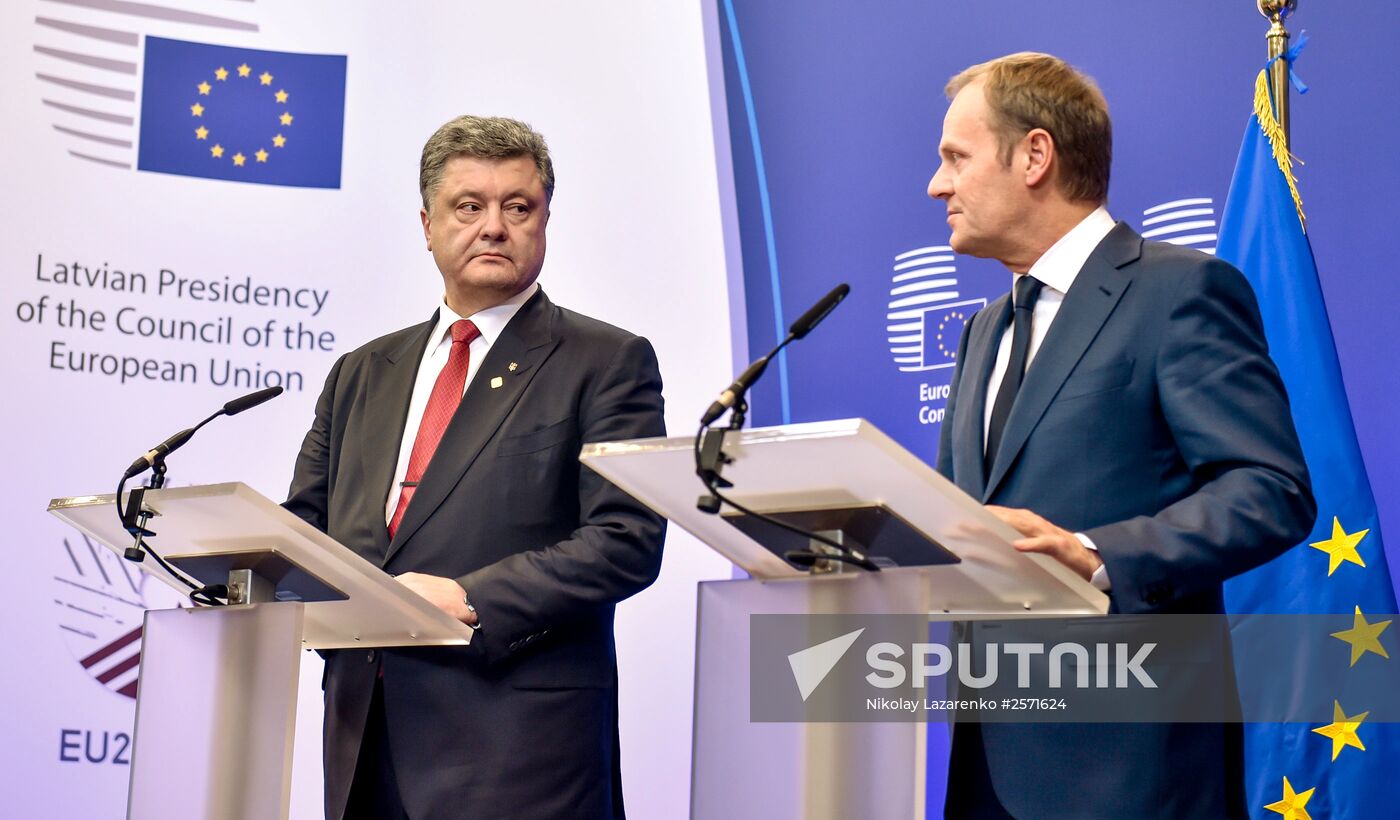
column 523, row 722
column 1153, row 420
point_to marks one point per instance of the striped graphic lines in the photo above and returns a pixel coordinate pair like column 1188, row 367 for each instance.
column 112, row 663
column 82, row 55
column 1187, row 222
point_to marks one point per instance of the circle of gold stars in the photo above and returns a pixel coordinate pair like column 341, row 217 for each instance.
column 949, row 352
column 217, row 150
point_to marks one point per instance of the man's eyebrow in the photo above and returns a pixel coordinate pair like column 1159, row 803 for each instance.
column 475, row 194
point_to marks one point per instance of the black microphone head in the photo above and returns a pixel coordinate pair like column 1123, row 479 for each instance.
column 251, row 400
column 813, row 316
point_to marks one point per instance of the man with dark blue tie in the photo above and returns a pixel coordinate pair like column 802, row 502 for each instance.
column 1119, row 409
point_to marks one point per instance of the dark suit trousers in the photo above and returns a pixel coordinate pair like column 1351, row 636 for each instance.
column 374, row 793
column 971, row 795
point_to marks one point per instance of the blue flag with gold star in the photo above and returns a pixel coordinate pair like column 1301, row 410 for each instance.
column 242, row 114
column 1346, row 769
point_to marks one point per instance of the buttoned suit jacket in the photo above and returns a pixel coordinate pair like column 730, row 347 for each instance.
column 523, row 722
column 1153, row 420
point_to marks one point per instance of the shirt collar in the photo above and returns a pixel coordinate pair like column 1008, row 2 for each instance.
column 491, row 321
column 1058, row 266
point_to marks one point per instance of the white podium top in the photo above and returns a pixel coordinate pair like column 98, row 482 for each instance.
column 217, row 519
column 845, row 463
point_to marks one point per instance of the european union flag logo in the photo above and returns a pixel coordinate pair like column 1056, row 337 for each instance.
column 942, row 327
column 242, row 114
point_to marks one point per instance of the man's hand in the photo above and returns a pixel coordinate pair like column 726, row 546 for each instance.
column 1046, row 538
column 443, row 593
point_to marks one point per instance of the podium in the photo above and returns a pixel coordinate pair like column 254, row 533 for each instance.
column 216, row 697
column 814, row 473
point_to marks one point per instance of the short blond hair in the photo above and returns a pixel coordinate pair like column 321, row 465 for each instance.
column 1029, row 90
column 482, row 138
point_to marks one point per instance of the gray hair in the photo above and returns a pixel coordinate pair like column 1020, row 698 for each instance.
column 482, row 138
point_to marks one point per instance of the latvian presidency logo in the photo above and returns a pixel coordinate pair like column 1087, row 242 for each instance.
column 1187, row 222
column 926, row 318
column 101, row 603
column 211, row 111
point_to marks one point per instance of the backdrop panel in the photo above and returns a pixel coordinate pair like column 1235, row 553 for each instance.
column 266, row 268
column 833, row 114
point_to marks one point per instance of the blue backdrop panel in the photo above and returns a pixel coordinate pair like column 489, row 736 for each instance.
column 834, row 117
column 835, row 112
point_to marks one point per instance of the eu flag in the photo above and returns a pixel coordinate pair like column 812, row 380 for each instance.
column 1345, row 769
column 242, row 114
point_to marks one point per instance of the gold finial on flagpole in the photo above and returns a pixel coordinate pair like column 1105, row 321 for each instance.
column 1277, row 12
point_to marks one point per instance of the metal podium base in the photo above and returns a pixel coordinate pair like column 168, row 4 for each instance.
column 215, row 713
column 797, row 771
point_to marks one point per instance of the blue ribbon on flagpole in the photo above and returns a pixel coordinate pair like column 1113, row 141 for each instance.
column 1289, row 56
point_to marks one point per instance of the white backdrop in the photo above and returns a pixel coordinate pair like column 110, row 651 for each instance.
column 620, row 91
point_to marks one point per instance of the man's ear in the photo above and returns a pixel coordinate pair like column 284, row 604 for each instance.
column 1039, row 149
column 427, row 234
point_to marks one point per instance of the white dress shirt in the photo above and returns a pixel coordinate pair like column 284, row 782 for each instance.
column 1057, row 269
column 490, row 322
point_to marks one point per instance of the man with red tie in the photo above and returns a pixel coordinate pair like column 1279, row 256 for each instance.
column 447, row 453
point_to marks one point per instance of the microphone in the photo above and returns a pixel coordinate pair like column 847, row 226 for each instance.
column 156, row 454
column 732, row 393
column 797, row 330
column 817, row 312
column 251, row 400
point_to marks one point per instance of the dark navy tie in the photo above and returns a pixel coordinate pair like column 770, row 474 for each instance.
column 1026, row 292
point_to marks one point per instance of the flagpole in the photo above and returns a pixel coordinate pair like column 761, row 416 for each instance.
column 1276, row 12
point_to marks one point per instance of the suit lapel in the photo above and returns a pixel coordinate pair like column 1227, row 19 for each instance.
column 968, row 467
column 526, row 342
column 1091, row 299
column 389, row 389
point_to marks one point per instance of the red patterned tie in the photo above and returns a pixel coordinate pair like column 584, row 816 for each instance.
column 442, row 404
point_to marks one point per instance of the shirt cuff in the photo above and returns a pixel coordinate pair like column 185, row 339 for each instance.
column 1100, row 577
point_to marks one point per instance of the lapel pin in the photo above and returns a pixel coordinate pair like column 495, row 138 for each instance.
column 511, row 367
column 497, row 381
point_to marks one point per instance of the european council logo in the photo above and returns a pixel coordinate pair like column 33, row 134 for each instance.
column 1186, row 222
column 240, row 114
column 925, row 317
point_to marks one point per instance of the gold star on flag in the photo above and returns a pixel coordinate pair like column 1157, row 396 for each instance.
column 286, row 119
column 1342, row 730
column 1363, row 637
column 244, row 70
column 1341, row 546
column 265, row 78
column 204, row 88
column 281, row 96
column 201, row 133
column 261, row 155
column 239, row 159
column 279, row 141
column 221, row 74
column 217, row 150
column 197, row 110
column 1292, row 804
